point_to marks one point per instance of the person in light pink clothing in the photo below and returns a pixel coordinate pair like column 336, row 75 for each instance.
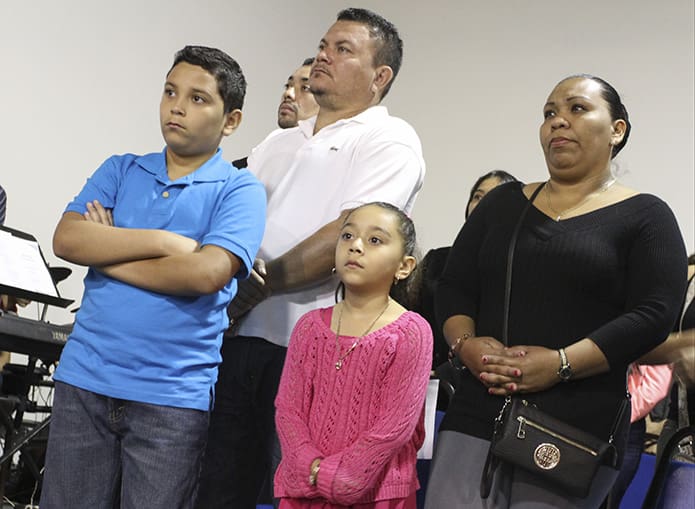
column 349, row 410
column 647, row 385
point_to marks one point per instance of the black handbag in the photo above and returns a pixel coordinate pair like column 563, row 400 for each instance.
column 562, row 454
column 527, row 437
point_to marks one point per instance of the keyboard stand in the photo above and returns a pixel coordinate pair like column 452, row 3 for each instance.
column 18, row 435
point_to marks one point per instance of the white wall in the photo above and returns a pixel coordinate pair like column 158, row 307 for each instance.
column 81, row 80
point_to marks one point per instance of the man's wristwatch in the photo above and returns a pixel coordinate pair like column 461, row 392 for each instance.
column 565, row 372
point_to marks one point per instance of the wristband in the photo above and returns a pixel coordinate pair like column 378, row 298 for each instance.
column 454, row 359
column 458, row 342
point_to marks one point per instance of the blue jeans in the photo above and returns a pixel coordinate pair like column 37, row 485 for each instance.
column 631, row 460
column 243, row 451
column 107, row 453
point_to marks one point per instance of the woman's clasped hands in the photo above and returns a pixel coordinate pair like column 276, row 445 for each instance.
column 517, row 369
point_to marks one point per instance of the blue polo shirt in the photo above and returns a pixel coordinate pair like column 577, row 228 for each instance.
column 134, row 344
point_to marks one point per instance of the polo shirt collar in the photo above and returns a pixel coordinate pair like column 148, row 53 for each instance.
column 210, row 171
column 306, row 127
column 371, row 114
column 367, row 116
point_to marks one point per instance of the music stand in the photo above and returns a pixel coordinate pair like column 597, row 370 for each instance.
column 24, row 272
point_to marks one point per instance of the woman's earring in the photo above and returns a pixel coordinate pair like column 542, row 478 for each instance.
column 333, row 270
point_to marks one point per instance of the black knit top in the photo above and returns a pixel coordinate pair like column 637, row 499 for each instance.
column 616, row 275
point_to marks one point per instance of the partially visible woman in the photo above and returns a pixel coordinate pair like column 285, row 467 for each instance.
column 598, row 276
column 484, row 185
column 428, row 271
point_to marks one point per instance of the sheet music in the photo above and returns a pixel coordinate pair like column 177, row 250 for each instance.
column 427, row 448
column 22, row 266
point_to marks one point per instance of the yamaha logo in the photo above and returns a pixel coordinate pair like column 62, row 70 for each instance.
column 546, row 456
column 59, row 336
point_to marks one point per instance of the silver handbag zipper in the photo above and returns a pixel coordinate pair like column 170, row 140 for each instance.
column 521, row 434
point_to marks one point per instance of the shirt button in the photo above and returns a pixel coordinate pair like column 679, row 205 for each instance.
column 165, row 194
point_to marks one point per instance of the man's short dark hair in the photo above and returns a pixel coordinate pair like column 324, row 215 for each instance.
column 231, row 83
column 389, row 46
column 308, row 61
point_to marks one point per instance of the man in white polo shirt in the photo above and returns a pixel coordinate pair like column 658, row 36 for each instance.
column 351, row 153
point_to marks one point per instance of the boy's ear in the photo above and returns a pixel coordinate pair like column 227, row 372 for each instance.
column 232, row 121
column 407, row 266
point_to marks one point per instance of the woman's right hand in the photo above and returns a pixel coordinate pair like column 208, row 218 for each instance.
column 473, row 352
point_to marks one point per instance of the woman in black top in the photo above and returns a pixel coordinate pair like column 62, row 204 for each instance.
column 598, row 276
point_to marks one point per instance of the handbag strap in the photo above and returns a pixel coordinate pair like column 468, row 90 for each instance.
column 491, row 461
column 624, row 405
column 510, row 263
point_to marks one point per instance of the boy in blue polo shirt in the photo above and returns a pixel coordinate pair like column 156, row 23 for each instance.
column 165, row 236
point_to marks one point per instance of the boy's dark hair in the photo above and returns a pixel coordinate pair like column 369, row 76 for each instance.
column 389, row 46
column 231, row 83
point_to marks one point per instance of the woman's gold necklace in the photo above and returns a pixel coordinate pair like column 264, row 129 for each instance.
column 341, row 358
column 594, row 194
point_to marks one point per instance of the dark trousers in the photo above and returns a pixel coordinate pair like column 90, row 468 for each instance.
column 457, row 467
column 633, row 454
column 242, row 450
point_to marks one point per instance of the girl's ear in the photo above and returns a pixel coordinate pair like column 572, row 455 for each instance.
column 407, row 266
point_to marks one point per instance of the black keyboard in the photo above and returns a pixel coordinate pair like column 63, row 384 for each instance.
column 32, row 337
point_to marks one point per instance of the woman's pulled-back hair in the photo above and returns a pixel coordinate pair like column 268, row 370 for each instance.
column 616, row 107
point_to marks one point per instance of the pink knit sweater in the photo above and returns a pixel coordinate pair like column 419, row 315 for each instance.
column 365, row 421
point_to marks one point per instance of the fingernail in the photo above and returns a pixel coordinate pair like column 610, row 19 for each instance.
column 482, row 376
column 512, row 387
column 517, row 372
column 484, row 359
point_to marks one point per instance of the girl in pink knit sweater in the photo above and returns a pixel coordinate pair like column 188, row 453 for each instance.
column 349, row 410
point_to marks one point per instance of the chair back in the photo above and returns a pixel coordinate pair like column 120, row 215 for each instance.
column 673, row 485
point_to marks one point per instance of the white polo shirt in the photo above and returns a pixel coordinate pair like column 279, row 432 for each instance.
column 310, row 180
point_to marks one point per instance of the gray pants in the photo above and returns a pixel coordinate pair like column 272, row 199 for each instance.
column 457, row 467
